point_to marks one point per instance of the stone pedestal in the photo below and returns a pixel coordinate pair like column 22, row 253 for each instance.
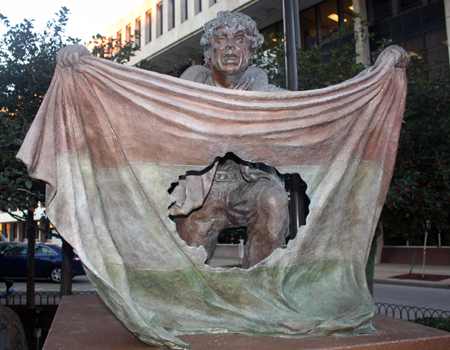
column 84, row 322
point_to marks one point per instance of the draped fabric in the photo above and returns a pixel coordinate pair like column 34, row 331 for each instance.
column 109, row 140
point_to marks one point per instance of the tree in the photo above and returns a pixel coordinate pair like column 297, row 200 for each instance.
column 418, row 201
column 113, row 49
column 27, row 62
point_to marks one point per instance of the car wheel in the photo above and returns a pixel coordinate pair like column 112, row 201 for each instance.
column 55, row 274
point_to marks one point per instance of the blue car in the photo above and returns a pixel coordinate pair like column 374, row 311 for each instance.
column 13, row 262
column 6, row 245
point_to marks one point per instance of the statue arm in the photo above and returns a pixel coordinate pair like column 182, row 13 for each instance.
column 191, row 192
column 198, row 74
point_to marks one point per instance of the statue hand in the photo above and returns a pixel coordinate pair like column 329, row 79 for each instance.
column 71, row 55
column 401, row 56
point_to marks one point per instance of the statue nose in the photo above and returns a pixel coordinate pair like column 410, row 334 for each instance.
column 230, row 43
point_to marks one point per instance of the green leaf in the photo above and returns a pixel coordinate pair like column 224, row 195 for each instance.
column 28, row 183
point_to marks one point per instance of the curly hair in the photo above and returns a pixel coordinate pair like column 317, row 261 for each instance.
column 235, row 21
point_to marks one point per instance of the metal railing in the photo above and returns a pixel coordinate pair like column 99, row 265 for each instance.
column 406, row 312
column 41, row 298
column 403, row 312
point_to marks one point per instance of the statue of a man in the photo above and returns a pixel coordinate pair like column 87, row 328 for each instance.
column 232, row 193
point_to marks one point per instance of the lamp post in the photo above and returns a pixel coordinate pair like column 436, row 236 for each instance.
column 291, row 43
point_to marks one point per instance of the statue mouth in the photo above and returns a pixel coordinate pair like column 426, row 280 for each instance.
column 230, row 59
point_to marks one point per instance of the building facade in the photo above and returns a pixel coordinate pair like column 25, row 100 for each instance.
column 13, row 230
column 170, row 30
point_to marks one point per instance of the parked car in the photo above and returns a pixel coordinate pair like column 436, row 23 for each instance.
column 6, row 245
column 13, row 262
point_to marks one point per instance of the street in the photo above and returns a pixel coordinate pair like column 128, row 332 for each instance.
column 79, row 283
column 430, row 298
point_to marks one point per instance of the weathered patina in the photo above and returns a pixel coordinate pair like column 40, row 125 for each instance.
column 110, row 140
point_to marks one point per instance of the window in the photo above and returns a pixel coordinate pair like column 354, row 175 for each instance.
column 148, row 26
column 48, row 236
column 171, row 14
column 415, row 27
column 110, row 46
column 405, row 4
column 17, row 251
column 184, row 10
column 159, row 19
column 437, row 55
column 119, row 36
column 309, row 24
column 347, row 15
column 128, row 33
column 329, row 19
column 43, row 250
column 198, row 6
column 4, row 230
column 381, row 8
column 137, row 32
column 212, row 2
column 321, row 21
column 12, row 229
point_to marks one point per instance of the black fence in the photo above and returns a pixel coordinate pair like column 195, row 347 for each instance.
column 406, row 312
column 403, row 312
column 41, row 298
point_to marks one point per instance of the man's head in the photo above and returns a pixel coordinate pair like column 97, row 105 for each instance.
column 230, row 41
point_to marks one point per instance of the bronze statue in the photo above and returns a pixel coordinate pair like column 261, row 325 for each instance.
column 232, row 193
column 109, row 140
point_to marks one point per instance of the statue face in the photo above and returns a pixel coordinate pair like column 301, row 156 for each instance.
column 230, row 51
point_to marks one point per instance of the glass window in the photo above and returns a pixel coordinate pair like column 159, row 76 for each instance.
column 437, row 55
column 348, row 13
column 184, row 10
column 128, row 33
column 405, row 4
column 381, row 8
column 5, row 231
column 308, row 23
column 148, row 18
column 17, row 251
column 159, row 19
column 137, row 32
column 171, row 14
column 43, row 250
column 329, row 18
column 13, row 231
column 198, row 6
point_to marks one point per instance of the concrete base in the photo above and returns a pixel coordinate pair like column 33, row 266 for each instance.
column 85, row 322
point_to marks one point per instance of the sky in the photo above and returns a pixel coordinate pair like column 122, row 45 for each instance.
column 86, row 18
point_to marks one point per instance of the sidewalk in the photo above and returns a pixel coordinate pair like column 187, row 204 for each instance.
column 385, row 272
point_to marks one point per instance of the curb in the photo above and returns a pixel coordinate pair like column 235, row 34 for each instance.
column 411, row 283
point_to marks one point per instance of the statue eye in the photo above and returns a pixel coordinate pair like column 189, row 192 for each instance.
column 239, row 39
column 220, row 39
